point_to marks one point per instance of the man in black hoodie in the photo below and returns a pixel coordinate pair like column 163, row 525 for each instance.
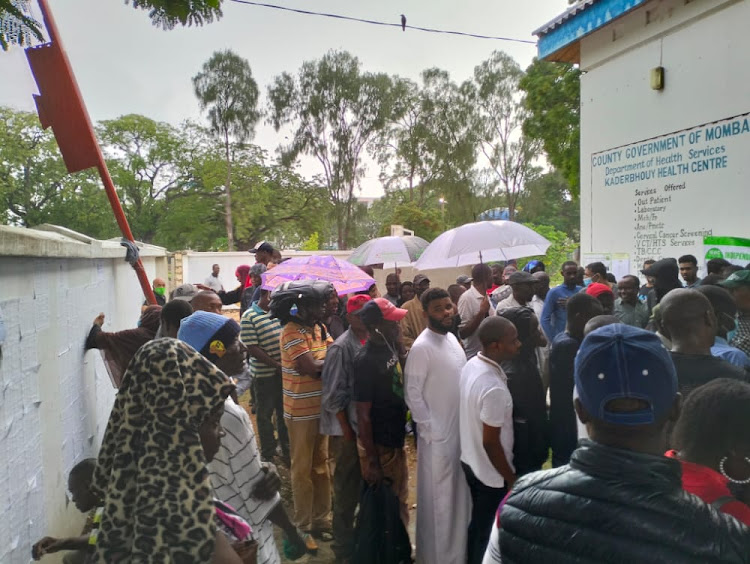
column 666, row 276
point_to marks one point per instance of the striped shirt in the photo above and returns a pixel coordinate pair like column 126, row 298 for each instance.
column 301, row 393
column 235, row 471
column 260, row 330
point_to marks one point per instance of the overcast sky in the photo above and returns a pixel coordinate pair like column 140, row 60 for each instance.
column 125, row 65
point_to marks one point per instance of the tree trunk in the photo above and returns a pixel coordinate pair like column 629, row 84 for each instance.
column 228, row 198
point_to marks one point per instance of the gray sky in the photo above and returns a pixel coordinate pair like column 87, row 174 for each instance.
column 125, row 65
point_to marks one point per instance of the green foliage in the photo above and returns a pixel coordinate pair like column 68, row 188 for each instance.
column 17, row 27
column 553, row 99
column 547, row 200
column 35, row 187
column 560, row 249
column 500, row 115
column 170, row 13
column 226, row 88
column 334, row 110
column 312, row 243
column 425, row 223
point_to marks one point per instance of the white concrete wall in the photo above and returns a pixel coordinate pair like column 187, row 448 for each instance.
column 703, row 46
column 55, row 400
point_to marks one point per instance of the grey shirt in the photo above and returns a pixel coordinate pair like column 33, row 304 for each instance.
column 636, row 315
column 338, row 384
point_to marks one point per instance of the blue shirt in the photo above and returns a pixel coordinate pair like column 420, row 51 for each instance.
column 555, row 314
column 731, row 354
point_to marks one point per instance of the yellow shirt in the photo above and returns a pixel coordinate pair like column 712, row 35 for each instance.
column 302, row 393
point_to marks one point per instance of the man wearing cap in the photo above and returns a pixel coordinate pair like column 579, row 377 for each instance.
column 739, row 285
column 690, row 321
column 184, row 292
column 473, row 307
column 554, row 314
column 464, row 281
column 379, row 400
column 414, row 323
column 619, row 499
column 263, row 253
column 237, row 474
column 605, row 295
column 433, row 372
column 522, row 291
column 338, row 420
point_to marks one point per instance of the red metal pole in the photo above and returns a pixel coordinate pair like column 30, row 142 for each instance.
column 101, row 165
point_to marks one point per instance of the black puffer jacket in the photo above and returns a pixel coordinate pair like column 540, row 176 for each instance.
column 615, row 506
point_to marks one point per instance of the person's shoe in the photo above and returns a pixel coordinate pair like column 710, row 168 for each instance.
column 325, row 535
column 295, row 551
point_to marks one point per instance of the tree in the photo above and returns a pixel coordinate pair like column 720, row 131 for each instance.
column 35, row 186
column 500, row 117
column 547, row 200
column 553, row 100
column 226, row 87
column 335, row 110
column 145, row 159
column 17, row 27
column 170, row 13
column 560, row 249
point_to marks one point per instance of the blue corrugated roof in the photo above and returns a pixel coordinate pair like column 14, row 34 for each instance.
column 579, row 20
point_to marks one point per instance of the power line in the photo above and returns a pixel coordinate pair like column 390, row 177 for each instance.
column 387, row 24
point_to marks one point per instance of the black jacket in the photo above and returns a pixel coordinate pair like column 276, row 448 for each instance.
column 615, row 506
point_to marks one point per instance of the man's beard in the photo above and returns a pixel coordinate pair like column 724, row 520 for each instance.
column 436, row 325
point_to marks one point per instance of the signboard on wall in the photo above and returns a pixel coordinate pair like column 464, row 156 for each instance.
column 662, row 197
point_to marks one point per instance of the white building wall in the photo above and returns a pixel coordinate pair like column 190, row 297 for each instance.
column 703, row 46
column 55, row 400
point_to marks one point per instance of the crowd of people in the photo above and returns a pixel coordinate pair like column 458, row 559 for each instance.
column 635, row 397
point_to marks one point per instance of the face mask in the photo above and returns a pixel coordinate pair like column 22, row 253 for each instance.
column 586, row 282
column 160, row 291
column 731, row 335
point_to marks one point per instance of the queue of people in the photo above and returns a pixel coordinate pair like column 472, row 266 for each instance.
column 500, row 376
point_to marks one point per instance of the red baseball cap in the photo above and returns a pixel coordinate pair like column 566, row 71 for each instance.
column 597, row 289
column 355, row 303
column 390, row 312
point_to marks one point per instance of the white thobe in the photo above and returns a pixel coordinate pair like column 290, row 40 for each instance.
column 433, row 372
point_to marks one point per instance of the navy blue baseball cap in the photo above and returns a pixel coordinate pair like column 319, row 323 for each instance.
column 619, row 361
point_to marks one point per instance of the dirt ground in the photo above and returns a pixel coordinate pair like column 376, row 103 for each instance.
column 325, row 555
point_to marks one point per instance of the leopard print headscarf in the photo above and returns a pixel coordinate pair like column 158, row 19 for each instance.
column 151, row 471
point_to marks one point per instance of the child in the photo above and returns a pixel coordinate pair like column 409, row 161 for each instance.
column 79, row 481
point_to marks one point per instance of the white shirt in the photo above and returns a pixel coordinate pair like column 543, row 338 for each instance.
column 235, row 471
column 485, row 399
column 214, row 283
column 468, row 307
column 537, row 304
column 432, row 374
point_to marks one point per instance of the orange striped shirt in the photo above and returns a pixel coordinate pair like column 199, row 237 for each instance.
column 302, row 393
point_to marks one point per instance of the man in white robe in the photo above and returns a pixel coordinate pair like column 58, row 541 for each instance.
column 433, row 371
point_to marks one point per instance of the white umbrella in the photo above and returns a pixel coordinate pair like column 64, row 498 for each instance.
column 389, row 251
column 484, row 241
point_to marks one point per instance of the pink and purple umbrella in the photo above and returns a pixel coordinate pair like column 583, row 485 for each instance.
column 344, row 276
